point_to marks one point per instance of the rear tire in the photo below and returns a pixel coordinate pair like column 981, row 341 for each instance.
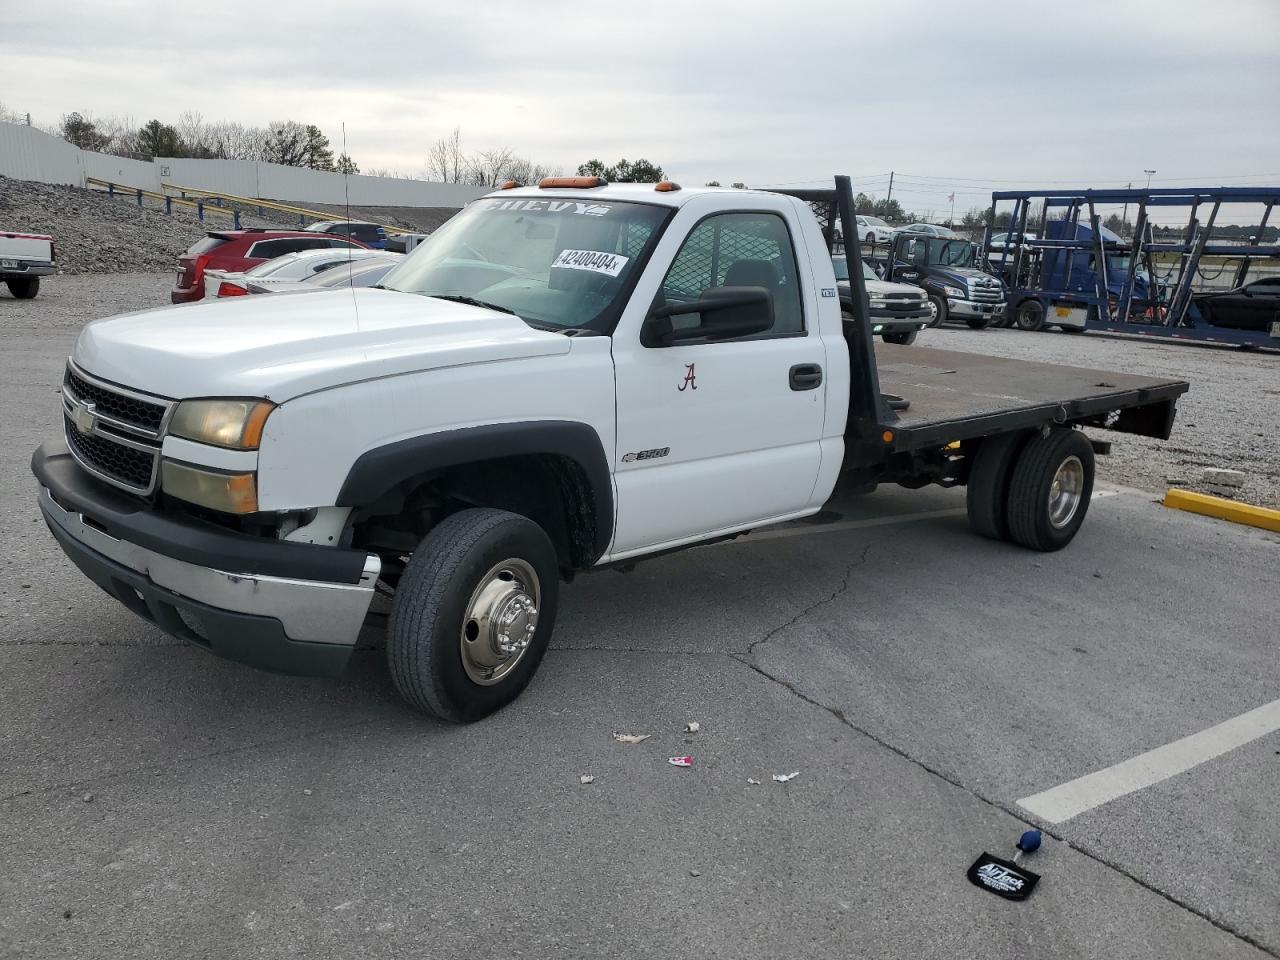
column 987, row 493
column 1030, row 315
column 23, row 288
column 939, row 310
column 906, row 339
column 449, row 618
column 1050, row 489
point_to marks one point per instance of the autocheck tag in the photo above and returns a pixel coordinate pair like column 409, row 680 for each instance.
column 610, row 264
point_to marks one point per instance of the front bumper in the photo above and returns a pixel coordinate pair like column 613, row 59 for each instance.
column 974, row 308
column 288, row 607
column 894, row 320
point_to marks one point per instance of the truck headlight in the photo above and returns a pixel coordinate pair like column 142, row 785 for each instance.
column 877, row 297
column 236, row 424
column 225, row 492
column 957, row 292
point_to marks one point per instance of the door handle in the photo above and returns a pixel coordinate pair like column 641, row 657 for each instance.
column 805, row 376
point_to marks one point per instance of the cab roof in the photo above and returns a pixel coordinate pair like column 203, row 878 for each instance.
column 635, row 192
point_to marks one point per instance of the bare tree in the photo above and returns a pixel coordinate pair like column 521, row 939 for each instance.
column 446, row 162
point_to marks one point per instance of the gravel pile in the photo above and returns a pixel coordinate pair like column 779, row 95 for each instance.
column 1227, row 420
column 99, row 234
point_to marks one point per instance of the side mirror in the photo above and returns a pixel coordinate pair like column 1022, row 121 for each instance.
column 725, row 313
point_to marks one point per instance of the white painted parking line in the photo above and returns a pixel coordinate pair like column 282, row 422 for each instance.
column 1078, row 796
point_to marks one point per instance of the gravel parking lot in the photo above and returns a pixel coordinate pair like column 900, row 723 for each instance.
column 157, row 802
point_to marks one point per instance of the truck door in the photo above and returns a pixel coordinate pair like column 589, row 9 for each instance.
column 910, row 259
column 718, row 436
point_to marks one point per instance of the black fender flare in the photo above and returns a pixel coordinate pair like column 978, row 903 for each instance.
column 378, row 471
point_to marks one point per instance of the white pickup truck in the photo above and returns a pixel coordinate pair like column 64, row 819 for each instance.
column 563, row 377
column 24, row 259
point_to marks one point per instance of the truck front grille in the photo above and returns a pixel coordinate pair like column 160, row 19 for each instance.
column 100, row 454
column 986, row 291
column 113, row 432
column 126, row 408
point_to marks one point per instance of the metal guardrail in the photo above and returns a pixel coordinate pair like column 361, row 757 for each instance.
column 200, row 207
column 302, row 213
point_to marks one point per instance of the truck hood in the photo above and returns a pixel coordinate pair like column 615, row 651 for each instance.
column 283, row 347
column 960, row 274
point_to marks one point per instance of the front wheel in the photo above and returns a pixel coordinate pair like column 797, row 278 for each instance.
column 1050, row 489
column 906, row 339
column 939, row 309
column 473, row 613
column 23, row 288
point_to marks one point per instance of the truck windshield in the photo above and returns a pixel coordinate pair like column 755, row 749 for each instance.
column 950, row 253
column 555, row 262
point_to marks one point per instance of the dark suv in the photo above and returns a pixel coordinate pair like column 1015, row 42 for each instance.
column 236, row 250
column 370, row 234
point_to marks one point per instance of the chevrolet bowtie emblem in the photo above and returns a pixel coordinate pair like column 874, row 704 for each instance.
column 83, row 417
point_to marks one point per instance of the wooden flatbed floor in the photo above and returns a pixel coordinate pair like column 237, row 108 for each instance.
column 955, row 396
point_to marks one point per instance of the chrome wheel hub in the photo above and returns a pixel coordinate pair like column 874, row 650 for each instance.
column 500, row 621
column 1065, row 492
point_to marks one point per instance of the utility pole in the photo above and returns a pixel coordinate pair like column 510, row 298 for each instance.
column 1124, row 217
column 1150, row 174
column 890, row 196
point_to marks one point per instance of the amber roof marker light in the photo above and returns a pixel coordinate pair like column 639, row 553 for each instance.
column 572, row 183
column 509, row 184
column 666, row 186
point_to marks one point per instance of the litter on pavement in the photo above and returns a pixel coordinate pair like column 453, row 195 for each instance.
column 680, row 761
column 784, row 777
column 692, row 727
column 632, row 737
column 586, row 778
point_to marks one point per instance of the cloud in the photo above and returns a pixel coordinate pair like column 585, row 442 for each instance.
column 759, row 92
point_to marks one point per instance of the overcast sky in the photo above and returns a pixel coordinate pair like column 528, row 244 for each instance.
column 954, row 95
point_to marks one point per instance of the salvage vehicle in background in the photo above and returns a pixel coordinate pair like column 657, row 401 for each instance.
column 1254, row 306
column 24, row 259
column 928, row 230
column 238, row 250
column 289, row 268
column 899, row 311
column 361, row 272
column 562, row 378
column 947, row 270
column 372, row 235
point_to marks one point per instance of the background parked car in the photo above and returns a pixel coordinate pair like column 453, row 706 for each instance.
column 289, row 268
column 1255, row 306
column 928, row 229
column 898, row 310
column 362, row 272
column 370, row 234
column 874, row 230
column 238, row 250
column 24, row 259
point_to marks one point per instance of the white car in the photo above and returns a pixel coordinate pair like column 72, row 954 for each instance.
column 874, row 230
column 286, row 269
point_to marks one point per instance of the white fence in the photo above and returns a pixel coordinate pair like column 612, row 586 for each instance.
column 30, row 154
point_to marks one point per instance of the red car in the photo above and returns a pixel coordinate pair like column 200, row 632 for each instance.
column 236, row 250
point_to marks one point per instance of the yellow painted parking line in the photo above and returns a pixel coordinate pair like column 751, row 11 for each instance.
column 1222, row 509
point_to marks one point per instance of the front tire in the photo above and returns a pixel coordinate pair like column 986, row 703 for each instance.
column 1050, row 490
column 23, row 288
column 473, row 613
column 939, row 310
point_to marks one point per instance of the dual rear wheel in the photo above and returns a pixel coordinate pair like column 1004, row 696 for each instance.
column 1031, row 488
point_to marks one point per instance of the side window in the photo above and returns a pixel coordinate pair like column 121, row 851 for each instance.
column 739, row 250
column 267, row 249
column 919, row 253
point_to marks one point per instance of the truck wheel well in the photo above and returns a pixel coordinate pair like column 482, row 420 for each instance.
column 550, row 489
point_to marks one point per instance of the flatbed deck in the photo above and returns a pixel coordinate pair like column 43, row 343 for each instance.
column 959, row 396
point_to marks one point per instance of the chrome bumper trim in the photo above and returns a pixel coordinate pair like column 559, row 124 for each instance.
column 309, row 610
